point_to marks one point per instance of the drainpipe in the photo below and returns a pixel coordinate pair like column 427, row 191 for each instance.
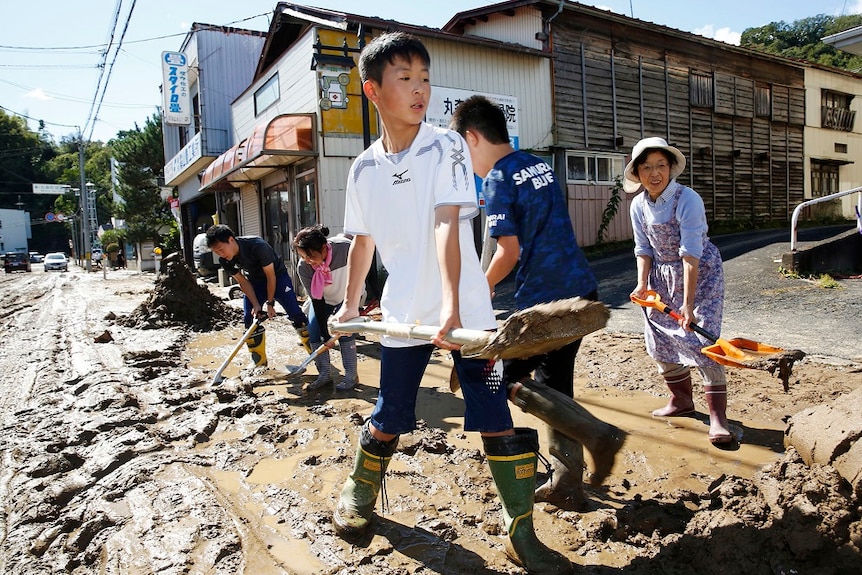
column 545, row 35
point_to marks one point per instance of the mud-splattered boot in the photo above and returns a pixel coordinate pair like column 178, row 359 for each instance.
column 302, row 331
column 256, row 344
column 324, row 370
column 716, row 400
column 356, row 505
column 347, row 345
column 681, row 402
column 565, row 487
column 512, row 459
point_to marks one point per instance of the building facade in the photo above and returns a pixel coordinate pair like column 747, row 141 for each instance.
column 303, row 119
column 221, row 62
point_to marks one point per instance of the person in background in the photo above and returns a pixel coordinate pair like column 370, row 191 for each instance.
column 262, row 277
column 201, row 253
column 423, row 176
column 676, row 259
column 323, row 272
column 529, row 218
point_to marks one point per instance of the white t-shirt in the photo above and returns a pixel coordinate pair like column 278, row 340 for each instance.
column 392, row 199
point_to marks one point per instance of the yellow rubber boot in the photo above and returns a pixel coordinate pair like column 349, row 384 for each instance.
column 256, row 344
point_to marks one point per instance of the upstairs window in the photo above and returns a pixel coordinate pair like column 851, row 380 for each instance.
column 763, row 101
column 701, row 90
column 266, row 95
column 835, row 113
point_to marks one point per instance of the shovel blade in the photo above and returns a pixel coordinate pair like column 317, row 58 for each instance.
column 739, row 352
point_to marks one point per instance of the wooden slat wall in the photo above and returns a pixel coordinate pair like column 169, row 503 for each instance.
column 630, row 83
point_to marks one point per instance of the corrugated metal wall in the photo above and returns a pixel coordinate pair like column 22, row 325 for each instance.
column 226, row 67
column 249, row 216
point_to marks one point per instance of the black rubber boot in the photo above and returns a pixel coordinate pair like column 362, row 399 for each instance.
column 565, row 487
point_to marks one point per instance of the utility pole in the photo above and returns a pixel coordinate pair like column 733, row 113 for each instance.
column 85, row 203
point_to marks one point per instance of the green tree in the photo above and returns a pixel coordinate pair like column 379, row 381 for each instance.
column 801, row 40
column 140, row 154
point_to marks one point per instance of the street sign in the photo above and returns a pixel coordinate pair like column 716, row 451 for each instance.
column 55, row 189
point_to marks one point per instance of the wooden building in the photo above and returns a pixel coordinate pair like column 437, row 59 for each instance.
column 737, row 115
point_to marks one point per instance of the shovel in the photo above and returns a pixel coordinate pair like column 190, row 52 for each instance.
column 217, row 378
column 526, row 333
column 298, row 369
column 736, row 352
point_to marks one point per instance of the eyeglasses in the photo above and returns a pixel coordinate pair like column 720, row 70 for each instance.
column 648, row 168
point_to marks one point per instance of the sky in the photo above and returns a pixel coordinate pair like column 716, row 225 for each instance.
column 64, row 68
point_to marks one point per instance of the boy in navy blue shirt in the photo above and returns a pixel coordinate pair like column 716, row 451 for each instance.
column 528, row 216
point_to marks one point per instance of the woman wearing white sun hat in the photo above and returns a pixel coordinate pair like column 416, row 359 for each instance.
column 676, row 259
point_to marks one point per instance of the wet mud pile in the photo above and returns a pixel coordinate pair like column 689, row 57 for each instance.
column 791, row 518
column 178, row 300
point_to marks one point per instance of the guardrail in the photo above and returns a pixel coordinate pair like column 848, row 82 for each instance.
column 834, row 196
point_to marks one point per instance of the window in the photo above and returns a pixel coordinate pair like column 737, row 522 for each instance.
column 266, row 95
column 763, row 101
column 835, row 112
column 840, row 148
column 593, row 168
column 701, row 92
column 196, row 110
column 824, row 179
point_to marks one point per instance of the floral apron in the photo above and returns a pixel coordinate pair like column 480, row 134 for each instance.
column 665, row 340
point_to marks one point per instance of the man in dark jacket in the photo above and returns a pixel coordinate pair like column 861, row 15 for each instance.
column 262, row 276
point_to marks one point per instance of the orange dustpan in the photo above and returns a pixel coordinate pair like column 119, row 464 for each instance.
column 736, row 352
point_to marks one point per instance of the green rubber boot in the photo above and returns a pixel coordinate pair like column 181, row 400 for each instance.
column 512, row 459
column 356, row 504
column 256, row 344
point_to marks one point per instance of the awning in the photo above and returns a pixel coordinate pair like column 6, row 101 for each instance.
column 832, row 161
column 278, row 142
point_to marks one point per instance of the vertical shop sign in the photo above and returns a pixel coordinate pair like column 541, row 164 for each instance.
column 175, row 88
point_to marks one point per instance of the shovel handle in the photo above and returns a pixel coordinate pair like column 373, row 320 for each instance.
column 653, row 300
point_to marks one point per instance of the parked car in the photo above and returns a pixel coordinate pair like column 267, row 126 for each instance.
column 36, row 258
column 16, row 261
column 56, row 261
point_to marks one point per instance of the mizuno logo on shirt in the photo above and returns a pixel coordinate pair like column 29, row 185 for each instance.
column 400, row 178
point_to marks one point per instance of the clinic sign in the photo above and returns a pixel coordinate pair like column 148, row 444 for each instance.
column 175, row 88
column 444, row 101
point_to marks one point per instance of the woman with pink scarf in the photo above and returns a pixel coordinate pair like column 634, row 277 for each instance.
column 323, row 272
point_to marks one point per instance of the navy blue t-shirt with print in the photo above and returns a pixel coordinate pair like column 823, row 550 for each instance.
column 524, row 200
column 254, row 254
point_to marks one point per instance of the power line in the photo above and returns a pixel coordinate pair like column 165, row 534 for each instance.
column 106, row 46
column 25, row 116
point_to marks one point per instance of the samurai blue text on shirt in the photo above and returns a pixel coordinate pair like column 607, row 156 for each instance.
column 540, row 175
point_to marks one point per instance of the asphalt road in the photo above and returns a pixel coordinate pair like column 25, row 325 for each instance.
column 760, row 302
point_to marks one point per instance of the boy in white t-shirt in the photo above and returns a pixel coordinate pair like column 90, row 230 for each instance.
column 411, row 195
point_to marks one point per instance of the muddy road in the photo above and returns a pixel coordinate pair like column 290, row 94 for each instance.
column 120, row 457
